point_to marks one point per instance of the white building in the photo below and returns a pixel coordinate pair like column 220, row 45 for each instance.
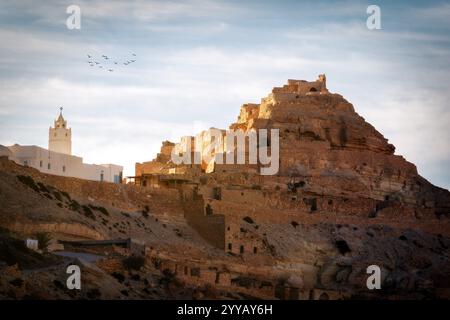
column 58, row 159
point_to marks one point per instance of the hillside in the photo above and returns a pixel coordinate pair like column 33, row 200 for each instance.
column 341, row 201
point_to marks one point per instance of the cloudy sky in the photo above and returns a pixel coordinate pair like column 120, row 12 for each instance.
column 197, row 61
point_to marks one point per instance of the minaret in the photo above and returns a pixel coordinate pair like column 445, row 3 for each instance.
column 60, row 137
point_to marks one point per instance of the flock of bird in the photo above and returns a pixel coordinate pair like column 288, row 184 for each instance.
column 107, row 63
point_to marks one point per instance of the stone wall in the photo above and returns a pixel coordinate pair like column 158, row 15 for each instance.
column 209, row 225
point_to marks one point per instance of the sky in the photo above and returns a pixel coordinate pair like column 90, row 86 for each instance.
column 198, row 61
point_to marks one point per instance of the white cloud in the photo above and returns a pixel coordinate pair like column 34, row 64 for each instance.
column 433, row 14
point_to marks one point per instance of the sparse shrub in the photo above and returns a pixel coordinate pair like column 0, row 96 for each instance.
column 28, row 181
column 88, row 212
column 42, row 187
column 74, row 205
column 118, row 276
column 48, row 195
column 43, row 239
column 65, row 194
column 100, row 209
column 134, row 263
column 57, row 195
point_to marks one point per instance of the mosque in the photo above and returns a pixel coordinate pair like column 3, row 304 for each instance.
column 58, row 159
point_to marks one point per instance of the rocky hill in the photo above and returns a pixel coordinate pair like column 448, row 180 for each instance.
column 339, row 183
column 341, row 201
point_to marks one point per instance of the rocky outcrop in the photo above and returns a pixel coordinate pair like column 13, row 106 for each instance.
column 342, row 200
